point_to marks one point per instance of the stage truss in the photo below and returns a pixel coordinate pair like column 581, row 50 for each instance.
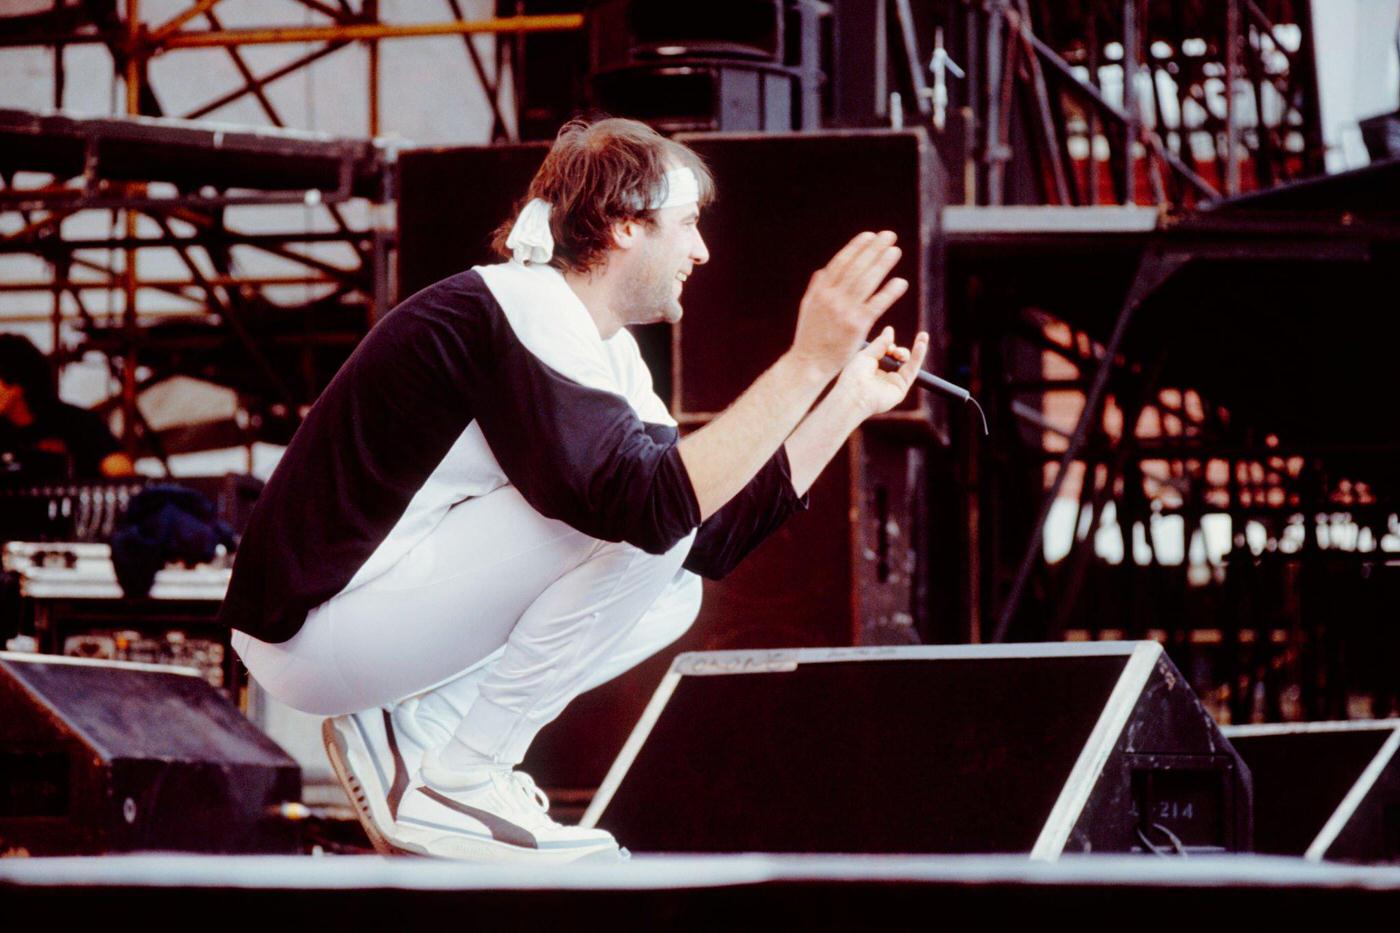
column 228, row 325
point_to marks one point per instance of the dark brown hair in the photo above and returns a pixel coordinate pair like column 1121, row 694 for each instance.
column 599, row 174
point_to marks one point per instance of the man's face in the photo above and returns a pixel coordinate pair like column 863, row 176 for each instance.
column 664, row 256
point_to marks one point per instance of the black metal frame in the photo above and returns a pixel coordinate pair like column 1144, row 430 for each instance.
column 1024, row 104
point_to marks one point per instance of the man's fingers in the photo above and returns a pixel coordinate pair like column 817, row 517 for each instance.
column 857, row 255
column 881, row 345
column 911, row 366
column 864, row 278
column 848, row 253
column 880, row 302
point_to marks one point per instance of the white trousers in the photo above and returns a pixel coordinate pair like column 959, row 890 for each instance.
column 508, row 614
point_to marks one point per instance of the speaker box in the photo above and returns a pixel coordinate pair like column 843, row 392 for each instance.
column 701, row 95
column 726, row 65
column 450, row 202
column 1039, row 749
column 117, row 757
column 622, row 31
column 786, row 204
column 1324, row 790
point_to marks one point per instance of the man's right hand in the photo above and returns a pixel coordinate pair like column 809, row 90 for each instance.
column 844, row 300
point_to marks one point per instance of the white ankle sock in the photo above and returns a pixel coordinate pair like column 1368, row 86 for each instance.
column 459, row 756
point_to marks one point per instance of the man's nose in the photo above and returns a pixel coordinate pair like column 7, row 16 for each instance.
column 699, row 254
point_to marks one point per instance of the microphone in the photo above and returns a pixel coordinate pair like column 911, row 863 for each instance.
column 931, row 383
column 928, row 381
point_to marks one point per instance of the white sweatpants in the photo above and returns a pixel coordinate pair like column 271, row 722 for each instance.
column 536, row 612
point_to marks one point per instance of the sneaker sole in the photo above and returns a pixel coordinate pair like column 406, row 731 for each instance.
column 356, row 792
column 458, row 848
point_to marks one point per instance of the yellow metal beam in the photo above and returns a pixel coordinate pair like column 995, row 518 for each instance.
column 158, row 35
column 369, row 31
column 222, row 281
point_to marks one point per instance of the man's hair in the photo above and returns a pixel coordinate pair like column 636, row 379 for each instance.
column 599, row 174
column 22, row 364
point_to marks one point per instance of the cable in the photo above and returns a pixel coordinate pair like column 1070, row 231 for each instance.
column 1177, row 847
column 931, row 383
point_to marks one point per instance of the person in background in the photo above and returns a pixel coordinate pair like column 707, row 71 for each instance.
column 42, row 437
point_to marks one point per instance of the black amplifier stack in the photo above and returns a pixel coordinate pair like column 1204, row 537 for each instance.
column 109, row 757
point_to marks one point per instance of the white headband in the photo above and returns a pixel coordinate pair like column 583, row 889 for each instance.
column 680, row 187
column 531, row 241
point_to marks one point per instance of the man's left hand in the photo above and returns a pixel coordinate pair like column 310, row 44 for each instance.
column 872, row 389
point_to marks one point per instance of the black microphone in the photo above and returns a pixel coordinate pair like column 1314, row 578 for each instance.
column 931, row 383
column 927, row 380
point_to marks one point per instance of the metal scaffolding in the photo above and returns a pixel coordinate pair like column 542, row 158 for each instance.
column 169, row 185
column 1207, row 99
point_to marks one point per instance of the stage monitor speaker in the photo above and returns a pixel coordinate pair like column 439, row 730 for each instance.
column 105, row 756
column 1039, row 749
column 1324, row 790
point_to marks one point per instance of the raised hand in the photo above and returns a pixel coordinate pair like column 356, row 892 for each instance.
column 872, row 389
column 844, row 299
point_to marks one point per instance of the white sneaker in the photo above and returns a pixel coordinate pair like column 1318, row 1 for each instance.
column 375, row 753
column 491, row 814
column 372, row 761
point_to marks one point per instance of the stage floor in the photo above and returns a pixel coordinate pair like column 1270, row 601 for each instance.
column 706, row 892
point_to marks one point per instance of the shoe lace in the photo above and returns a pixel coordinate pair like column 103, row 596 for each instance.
column 528, row 789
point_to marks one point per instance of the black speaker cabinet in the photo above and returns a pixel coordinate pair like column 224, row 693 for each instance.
column 1038, row 749
column 722, row 65
column 701, row 95
column 104, row 756
column 1325, row 790
column 450, row 202
column 787, row 203
column 622, row 31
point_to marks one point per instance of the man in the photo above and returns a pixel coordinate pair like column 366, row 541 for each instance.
column 41, row 437
column 489, row 511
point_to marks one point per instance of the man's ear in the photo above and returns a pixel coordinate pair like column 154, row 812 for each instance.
column 624, row 233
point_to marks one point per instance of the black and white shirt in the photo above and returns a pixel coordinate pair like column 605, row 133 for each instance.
column 496, row 375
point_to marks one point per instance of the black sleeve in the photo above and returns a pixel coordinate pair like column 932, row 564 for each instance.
column 581, row 455
column 730, row 534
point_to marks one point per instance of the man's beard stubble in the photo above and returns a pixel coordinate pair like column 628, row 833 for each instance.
column 649, row 297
